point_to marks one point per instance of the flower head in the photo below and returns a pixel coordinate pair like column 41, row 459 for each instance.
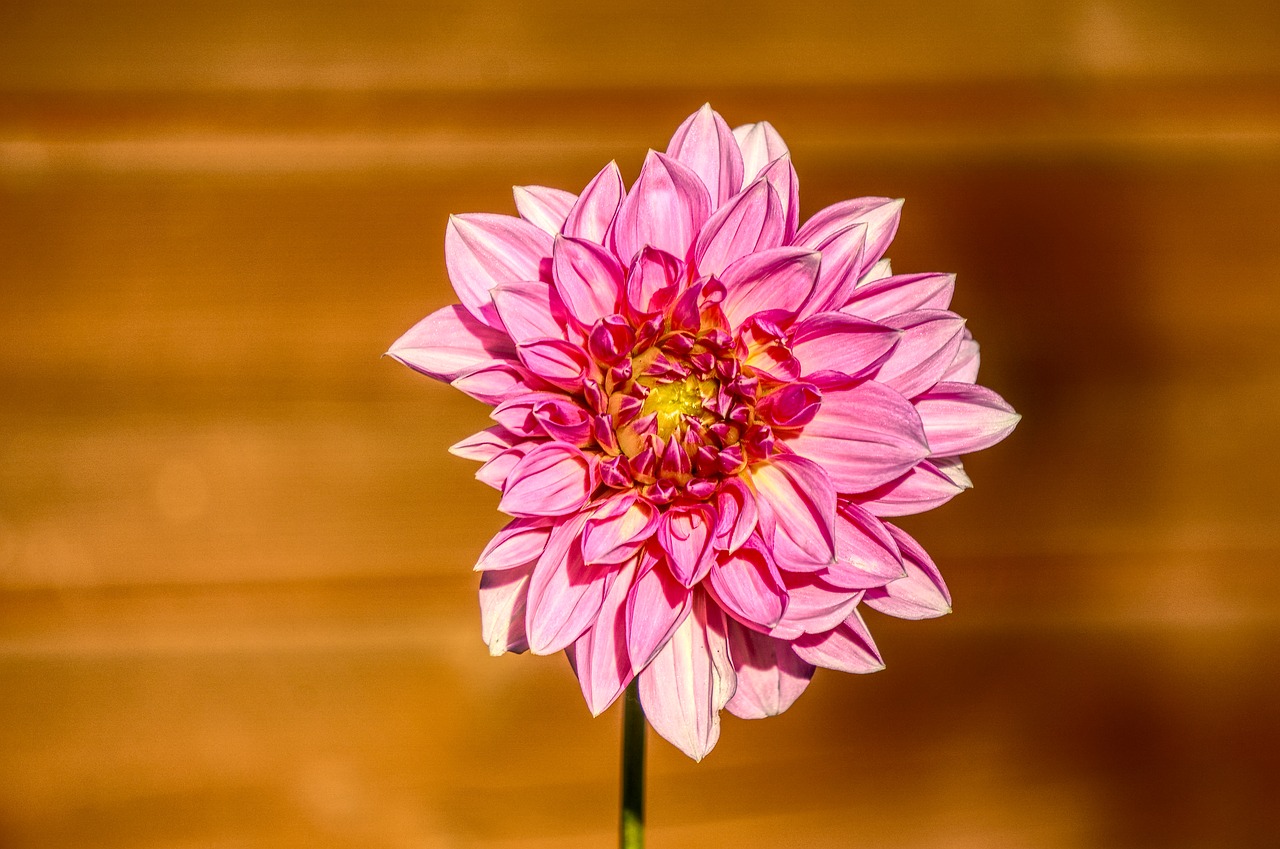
column 703, row 414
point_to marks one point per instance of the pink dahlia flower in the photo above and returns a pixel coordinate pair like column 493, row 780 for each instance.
column 704, row 412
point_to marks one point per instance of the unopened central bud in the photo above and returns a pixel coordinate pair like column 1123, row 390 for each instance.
column 675, row 400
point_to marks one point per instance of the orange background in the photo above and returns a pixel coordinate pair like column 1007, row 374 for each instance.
column 235, row 600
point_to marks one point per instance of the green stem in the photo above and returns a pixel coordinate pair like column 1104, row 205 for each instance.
column 631, row 826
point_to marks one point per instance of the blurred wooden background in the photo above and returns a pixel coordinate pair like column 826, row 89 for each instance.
column 235, row 600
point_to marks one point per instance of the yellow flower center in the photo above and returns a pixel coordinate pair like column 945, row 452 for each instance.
column 675, row 400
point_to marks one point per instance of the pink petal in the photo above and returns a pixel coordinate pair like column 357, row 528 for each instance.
column 483, row 250
column 599, row 656
column 863, row 436
column 689, row 682
column 904, row 293
column 449, row 342
column 779, row 278
column 551, row 480
column 961, row 417
column 705, row 144
column 921, row 594
column 485, row 445
column 760, row 145
column 666, row 208
column 835, row 341
column 656, row 606
column 684, row 532
column 542, row 207
column 618, row 529
column 842, row 266
column 529, row 310
column 597, row 206
column 750, row 222
column 736, row 514
column 930, row 340
column 748, row 586
column 879, row 214
column 517, row 414
column 847, row 648
column 503, row 596
column 802, row 500
column 560, row 363
column 520, row 543
column 792, row 406
column 496, row 471
column 493, row 384
column 770, row 674
column 781, row 175
column 565, row 594
column 652, row 272
column 813, row 605
column 866, row 554
column 921, row 489
column 964, row 368
column 588, row 279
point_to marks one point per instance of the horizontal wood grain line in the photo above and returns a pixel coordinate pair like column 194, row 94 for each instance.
column 336, row 131
column 437, row 615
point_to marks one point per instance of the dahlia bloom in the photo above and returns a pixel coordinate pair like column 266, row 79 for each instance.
column 703, row 413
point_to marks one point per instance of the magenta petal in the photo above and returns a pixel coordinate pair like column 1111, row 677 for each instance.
column 866, row 554
column 802, row 500
column 847, row 648
column 449, row 342
column 685, row 535
column 835, row 341
column 503, row 596
column 551, row 480
column 528, row 309
column 748, row 586
column 905, row 293
column 779, row 278
column 666, row 208
column 814, row 605
column 863, row 436
column 760, row 145
column 930, row 340
column 879, row 214
column 597, row 206
column 542, row 207
column 921, row 489
column 770, row 674
column 485, row 445
column 747, row 224
column 520, row 543
column 655, row 608
column 588, row 279
column 599, row 656
column 961, row 417
column 483, row 250
column 920, row 594
column 618, row 528
column 689, row 682
column 705, row 143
